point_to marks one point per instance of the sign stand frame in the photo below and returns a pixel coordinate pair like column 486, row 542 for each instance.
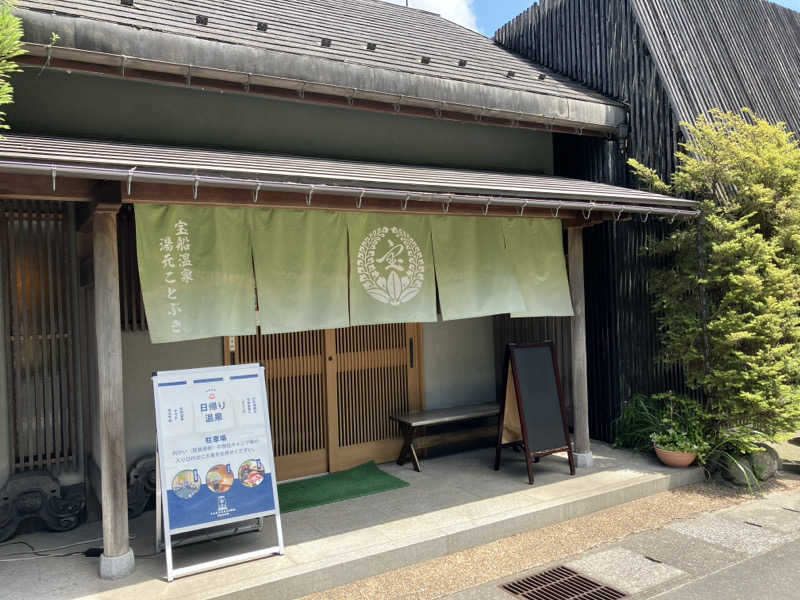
column 159, row 537
column 162, row 515
column 512, row 378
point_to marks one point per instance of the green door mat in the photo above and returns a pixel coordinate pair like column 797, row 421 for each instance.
column 361, row 481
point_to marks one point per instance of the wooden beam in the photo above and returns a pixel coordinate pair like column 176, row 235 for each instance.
column 117, row 560
column 580, row 385
column 155, row 193
column 453, row 437
column 40, row 187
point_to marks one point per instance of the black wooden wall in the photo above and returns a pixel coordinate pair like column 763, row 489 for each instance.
column 600, row 44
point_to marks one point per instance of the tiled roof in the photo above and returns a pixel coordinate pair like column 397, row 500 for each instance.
column 368, row 33
column 137, row 159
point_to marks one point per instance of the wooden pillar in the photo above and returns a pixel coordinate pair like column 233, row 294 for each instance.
column 7, row 451
column 117, row 560
column 580, row 386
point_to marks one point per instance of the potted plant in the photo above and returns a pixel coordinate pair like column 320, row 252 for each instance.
column 671, row 424
column 674, row 447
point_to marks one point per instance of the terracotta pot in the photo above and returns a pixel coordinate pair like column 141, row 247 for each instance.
column 675, row 459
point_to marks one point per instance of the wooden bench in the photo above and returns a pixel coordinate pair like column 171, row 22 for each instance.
column 411, row 422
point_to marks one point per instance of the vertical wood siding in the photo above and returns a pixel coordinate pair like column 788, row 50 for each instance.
column 294, row 365
column 372, row 382
column 130, row 290
column 623, row 348
column 600, row 44
column 39, row 333
column 608, row 46
column 726, row 54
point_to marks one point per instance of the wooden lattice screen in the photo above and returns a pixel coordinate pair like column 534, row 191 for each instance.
column 372, row 382
column 295, row 374
column 331, row 393
column 130, row 290
column 37, row 280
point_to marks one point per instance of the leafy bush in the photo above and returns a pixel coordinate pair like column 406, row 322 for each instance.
column 10, row 48
column 728, row 306
column 670, row 421
column 641, row 418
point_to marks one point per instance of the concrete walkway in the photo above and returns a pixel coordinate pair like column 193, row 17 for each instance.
column 457, row 502
column 747, row 551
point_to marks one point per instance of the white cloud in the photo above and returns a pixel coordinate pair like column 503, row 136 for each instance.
column 458, row 11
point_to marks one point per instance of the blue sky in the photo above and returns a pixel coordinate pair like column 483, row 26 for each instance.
column 487, row 15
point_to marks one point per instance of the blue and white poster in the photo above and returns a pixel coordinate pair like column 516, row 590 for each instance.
column 215, row 448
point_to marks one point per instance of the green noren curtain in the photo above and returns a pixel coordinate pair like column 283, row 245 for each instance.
column 196, row 271
column 391, row 269
column 199, row 267
column 537, row 252
column 474, row 272
column 300, row 259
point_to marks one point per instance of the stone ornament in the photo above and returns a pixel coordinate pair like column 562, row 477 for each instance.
column 141, row 485
column 38, row 494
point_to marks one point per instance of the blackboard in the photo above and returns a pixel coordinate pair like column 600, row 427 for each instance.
column 533, row 414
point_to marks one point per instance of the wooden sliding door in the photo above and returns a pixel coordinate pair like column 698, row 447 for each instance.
column 377, row 374
column 331, row 393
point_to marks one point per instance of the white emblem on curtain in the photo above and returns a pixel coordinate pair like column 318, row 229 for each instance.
column 390, row 266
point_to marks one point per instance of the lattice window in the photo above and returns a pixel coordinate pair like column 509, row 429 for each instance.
column 38, row 285
column 130, row 290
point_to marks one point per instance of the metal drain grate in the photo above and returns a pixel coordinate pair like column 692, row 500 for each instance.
column 560, row 583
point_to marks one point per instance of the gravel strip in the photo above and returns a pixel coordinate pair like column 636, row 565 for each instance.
column 461, row 570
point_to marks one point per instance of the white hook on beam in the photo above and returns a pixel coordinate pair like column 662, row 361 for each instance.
column 310, row 194
column 486, row 208
column 588, row 215
column 558, row 208
column 255, row 193
column 196, row 185
column 619, row 215
column 446, row 204
column 54, row 177
column 361, row 198
column 647, row 216
column 522, row 208
column 130, row 180
column 404, row 206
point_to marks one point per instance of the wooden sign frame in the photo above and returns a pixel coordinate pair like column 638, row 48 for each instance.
column 524, row 443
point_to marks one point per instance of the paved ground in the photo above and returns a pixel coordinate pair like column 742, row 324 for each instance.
column 457, row 502
column 704, row 541
column 748, row 551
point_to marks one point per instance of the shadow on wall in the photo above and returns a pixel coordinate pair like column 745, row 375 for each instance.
column 459, row 363
column 140, row 359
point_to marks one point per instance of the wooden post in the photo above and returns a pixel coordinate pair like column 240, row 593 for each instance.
column 580, row 386
column 117, row 560
column 7, row 451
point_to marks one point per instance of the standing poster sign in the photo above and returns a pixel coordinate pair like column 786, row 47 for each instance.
column 215, row 454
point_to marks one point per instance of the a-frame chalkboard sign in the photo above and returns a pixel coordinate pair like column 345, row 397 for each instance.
column 533, row 414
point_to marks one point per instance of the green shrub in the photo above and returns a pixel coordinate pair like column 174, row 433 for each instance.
column 671, row 421
column 728, row 306
column 10, row 48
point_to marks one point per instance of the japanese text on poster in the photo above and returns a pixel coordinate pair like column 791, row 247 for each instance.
column 214, row 446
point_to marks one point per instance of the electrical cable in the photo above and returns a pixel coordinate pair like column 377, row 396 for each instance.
column 44, row 553
column 42, row 556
